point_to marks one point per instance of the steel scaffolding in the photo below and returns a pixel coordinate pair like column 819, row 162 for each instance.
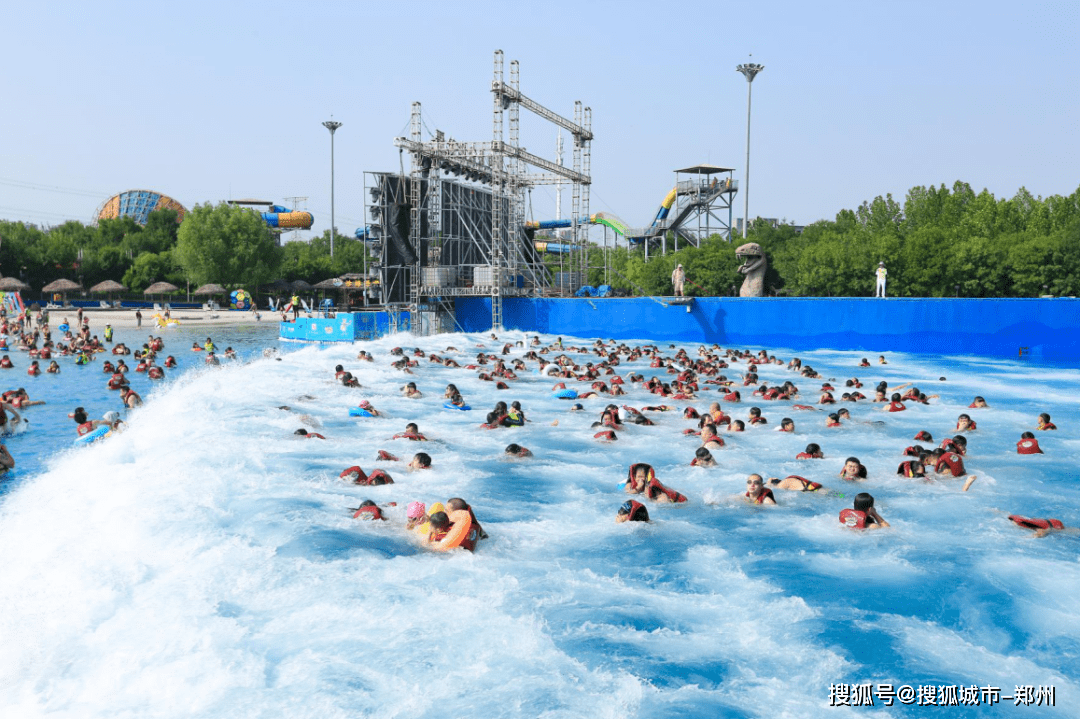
column 466, row 210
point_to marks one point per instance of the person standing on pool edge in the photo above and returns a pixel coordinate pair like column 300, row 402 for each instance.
column 881, row 273
column 678, row 277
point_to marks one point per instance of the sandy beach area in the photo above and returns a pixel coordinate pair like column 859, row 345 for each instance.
column 125, row 319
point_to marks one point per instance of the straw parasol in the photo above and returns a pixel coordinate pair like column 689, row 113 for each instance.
column 161, row 288
column 62, row 287
column 331, row 284
column 107, row 287
column 210, row 289
column 13, row 284
column 301, row 286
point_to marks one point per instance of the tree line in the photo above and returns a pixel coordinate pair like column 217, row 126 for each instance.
column 940, row 242
column 224, row 244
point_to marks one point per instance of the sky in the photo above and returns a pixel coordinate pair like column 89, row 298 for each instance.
column 213, row 101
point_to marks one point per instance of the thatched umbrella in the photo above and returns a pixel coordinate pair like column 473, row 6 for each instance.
column 107, row 287
column 12, row 284
column 211, row 289
column 160, row 288
column 62, row 287
column 331, row 284
column 301, row 286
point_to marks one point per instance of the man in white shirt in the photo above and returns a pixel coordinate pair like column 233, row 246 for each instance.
column 881, row 273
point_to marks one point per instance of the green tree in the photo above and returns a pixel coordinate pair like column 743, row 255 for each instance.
column 228, row 245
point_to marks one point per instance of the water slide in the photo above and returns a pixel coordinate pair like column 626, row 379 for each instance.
column 600, row 218
column 286, row 219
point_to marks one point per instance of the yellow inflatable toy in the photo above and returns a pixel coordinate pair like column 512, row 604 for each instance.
column 162, row 322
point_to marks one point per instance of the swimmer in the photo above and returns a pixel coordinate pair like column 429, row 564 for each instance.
column 755, row 416
column 130, row 397
column 795, row 483
column 307, row 435
column 411, row 391
column 412, row 432
column 1028, row 444
column 786, row 425
column 1042, row 527
column 757, row 492
column 1045, row 423
column 862, row 515
column 833, row 420
column 631, row 511
column 451, row 390
column 516, row 450
column 85, row 424
column 964, row 423
column 415, row 515
column 977, row 403
column 853, row 470
column 54, row 368
column 881, row 360
column 736, row 426
column 709, row 438
column 641, row 479
column 7, row 462
column 703, row 458
column 368, row 510
column 421, row 460
column 812, row 451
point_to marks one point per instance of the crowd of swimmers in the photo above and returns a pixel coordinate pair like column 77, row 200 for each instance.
column 692, row 377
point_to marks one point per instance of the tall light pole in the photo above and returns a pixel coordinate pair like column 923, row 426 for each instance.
column 331, row 126
column 750, row 71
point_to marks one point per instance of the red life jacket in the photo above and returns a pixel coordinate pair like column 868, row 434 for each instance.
column 141, row 367
column 354, row 474
column 831, row 423
column 923, row 436
column 385, row 456
column 34, row 371
column 971, row 425
column 314, row 435
column 608, row 435
column 906, row 470
column 895, row 407
column 410, row 435
column 808, row 486
column 952, row 462
column 378, row 477
column 369, row 512
column 801, row 406
column 1048, row 425
column 758, row 420
column 1028, row 446
column 731, row 397
column 1036, row 523
column 155, row 373
column 854, row 519
column 85, row 428
column 949, row 445
column 654, row 487
column 805, row 455
column 760, row 499
column 690, row 413
column 45, row 354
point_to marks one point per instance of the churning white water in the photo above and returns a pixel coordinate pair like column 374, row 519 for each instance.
column 205, row 563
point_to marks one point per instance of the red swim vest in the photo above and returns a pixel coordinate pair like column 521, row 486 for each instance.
column 1028, row 523
column 354, row 474
column 906, row 470
column 952, row 462
column 854, row 519
column 369, row 512
column 385, row 456
column 606, row 435
column 85, row 428
column 654, row 487
column 805, row 455
column 1028, row 446
column 1048, row 425
column 808, row 486
column 923, row 436
column 895, row 407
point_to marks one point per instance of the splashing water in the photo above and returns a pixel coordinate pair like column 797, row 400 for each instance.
column 204, row 563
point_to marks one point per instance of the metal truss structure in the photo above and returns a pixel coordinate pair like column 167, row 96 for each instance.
column 465, row 205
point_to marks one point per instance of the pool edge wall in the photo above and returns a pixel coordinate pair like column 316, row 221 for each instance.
column 1045, row 328
column 344, row 327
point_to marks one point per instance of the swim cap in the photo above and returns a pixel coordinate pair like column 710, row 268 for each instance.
column 111, row 416
column 415, row 510
column 437, row 507
column 579, row 405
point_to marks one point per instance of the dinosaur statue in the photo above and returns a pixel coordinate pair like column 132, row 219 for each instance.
column 753, row 267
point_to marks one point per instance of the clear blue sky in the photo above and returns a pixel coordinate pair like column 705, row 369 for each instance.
column 210, row 101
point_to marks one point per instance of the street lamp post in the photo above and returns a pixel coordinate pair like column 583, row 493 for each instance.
column 750, row 71
column 332, row 126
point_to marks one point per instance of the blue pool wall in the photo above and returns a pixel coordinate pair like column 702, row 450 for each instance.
column 344, row 327
column 1039, row 328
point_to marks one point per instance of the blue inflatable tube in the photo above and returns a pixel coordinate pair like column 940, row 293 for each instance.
column 463, row 408
column 92, row 436
column 360, row 412
column 566, row 394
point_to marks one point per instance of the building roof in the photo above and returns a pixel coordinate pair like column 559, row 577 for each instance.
column 704, row 170
column 250, row 202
